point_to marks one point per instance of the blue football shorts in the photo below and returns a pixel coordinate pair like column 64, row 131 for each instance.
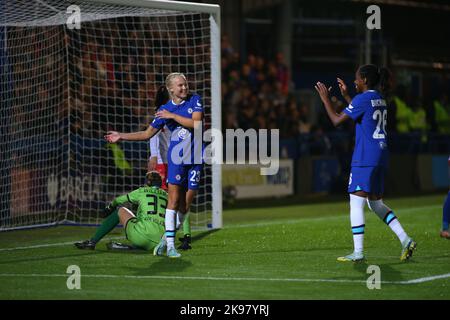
column 368, row 179
column 186, row 175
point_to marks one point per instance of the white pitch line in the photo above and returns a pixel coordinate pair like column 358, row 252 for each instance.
column 338, row 217
column 109, row 276
column 232, row 226
column 427, row 279
column 59, row 244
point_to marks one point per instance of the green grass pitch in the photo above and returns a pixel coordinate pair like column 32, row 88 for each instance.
column 286, row 252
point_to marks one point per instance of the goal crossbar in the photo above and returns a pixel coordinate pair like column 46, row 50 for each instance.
column 212, row 9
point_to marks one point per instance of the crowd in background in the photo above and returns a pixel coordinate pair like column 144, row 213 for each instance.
column 67, row 88
column 113, row 78
column 63, row 90
column 116, row 69
column 256, row 93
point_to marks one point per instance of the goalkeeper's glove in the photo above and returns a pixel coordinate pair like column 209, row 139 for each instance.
column 108, row 210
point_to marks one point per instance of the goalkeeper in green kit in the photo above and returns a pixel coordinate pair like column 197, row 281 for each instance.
column 144, row 229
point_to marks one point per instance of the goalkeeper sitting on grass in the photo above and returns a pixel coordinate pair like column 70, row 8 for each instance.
column 144, row 229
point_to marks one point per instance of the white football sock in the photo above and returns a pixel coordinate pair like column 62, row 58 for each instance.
column 170, row 228
column 357, row 221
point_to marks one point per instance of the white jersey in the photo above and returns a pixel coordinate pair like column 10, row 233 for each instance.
column 159, row 145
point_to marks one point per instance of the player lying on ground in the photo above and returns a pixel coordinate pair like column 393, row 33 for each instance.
column 144, row 229
column 370, row 157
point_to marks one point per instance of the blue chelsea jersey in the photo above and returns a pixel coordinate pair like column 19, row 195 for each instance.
column 369, row 111
column 180, row 134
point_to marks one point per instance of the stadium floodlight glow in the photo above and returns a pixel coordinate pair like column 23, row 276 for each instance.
column 69, row 75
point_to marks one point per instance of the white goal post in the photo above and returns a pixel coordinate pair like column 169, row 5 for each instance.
column 72, row 70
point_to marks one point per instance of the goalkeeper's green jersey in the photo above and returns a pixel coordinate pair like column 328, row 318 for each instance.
column 149, row 204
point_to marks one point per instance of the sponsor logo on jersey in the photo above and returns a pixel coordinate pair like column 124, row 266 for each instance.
column 182, row 133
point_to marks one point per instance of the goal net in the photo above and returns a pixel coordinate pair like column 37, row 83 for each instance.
column 73, row 70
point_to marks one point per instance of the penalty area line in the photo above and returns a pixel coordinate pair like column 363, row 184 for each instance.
column 112, row 276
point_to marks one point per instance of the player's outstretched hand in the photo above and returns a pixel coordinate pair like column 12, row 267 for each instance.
column 323, row 91
column 112, row 136
column 342, row 87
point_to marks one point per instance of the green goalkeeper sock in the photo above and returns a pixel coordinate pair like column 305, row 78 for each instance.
column 107, row 225
column 187, row 225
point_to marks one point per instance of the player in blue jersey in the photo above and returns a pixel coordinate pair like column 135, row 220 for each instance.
column 370, row 156
column 446, row 212
column 159, row 145
column 180, row 114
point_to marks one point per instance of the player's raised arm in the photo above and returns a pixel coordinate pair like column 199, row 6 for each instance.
column 154, row 148
column 324, row 93
column 344, row 90
column 114, row 136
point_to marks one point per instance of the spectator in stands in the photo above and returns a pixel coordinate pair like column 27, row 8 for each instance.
column 418, row 121
column 304, row 124
column 320, row 143
column 403, row 111
column 417, row 116
column 227, row 49
column 248, row 74
column 231, row 121
column 441, row 119
column 282, row 73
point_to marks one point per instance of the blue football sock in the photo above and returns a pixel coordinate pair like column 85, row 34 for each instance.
column 446, row 212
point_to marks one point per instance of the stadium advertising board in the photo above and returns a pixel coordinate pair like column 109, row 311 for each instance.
column 249, row 183
column 440, row 171
column 325, row 171
column 81, row 191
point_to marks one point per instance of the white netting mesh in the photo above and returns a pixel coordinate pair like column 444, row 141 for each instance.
column 63, row 89
column 57, row 12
